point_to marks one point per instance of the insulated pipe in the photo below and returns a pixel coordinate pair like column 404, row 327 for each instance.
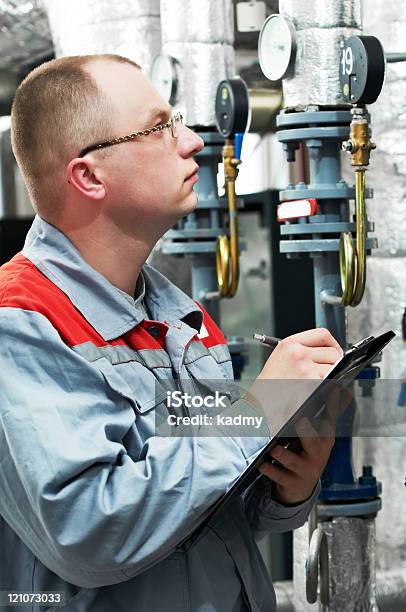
column 199, row 36
column 284, row 596
column 321, row 26
column 391, row 593
column 25, row 35
column 130, row 28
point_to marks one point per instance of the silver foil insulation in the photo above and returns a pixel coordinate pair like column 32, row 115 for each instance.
column 323, row 13
column 321, row 28
column 385, row 298
column 130, row 28
column 200, row 36
column 24, row 34
column 390, row 594
column 351, row 546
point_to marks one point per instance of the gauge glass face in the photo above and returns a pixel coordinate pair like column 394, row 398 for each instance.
column 276, row 47
column 163, row 77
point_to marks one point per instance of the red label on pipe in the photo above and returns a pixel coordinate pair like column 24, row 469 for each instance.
column 296, row 209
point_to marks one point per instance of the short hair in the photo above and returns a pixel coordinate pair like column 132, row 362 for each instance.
column 58, row 109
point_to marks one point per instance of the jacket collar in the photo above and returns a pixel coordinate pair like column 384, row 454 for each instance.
column 102, row 304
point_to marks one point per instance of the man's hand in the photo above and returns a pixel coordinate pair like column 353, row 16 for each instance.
column 295, row 482
column 297, row 479
column 310, row 354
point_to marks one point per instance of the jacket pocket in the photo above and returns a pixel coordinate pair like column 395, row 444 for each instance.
column 135, row 382
column 210, row 377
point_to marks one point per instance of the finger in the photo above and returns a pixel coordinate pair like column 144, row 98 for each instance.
column 337, row 402
column 326, row 354
column 327, row 429
column 291, row 461
column 320, row 370
column 316, row 371
column 278, row 475
column 333, row 404
column 305, row 429
column 313, row 444
column 317, row 337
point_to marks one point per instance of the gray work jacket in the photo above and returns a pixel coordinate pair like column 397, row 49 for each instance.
column 93, row 503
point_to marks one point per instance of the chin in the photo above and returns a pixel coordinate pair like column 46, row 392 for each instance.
column 189, row 204
column 194, row 200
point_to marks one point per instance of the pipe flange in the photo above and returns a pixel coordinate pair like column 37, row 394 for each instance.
column 365, row 508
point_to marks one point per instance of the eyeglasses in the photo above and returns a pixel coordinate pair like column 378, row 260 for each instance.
column 171, row 124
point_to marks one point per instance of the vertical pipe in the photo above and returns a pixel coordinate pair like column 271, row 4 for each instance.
column 199, row 35
column 325, row 170
column 204, row 282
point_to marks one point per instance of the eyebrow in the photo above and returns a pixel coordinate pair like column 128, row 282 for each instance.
column 162, row 114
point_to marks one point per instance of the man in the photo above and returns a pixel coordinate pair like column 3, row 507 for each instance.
column 92, row 503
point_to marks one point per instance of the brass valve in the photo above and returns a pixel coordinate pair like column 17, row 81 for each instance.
column 359, row 144
column 230, row 164
column 228, row 254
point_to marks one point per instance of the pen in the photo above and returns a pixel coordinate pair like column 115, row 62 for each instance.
column 268, row 340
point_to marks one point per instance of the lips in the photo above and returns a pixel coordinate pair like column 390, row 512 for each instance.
column 195, row 171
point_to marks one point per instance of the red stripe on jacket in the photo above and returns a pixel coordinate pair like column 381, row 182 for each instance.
column 23, row 285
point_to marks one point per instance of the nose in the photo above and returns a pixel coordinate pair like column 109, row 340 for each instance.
column 189, row 143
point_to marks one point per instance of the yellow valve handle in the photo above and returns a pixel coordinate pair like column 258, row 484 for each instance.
column 228, row 254
column 353, row 261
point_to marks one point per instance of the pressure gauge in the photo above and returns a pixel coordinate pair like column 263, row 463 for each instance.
column 232, row 107
column 164, row 77
column 362, row 69
column 240, row 110
column 277, row 48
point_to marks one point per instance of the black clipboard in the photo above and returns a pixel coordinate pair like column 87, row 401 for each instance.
column 358, row 357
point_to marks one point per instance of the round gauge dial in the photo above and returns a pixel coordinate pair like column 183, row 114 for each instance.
column 362, row 69
column 277, row 48
column 232, row 107
column 164, row 77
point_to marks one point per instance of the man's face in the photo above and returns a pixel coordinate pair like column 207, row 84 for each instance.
column 149, row 180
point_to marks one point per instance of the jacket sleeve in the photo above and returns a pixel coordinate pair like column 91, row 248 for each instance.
column 68, row 487
column 266, row 514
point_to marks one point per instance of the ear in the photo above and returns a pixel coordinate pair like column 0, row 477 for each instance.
column 83, row 176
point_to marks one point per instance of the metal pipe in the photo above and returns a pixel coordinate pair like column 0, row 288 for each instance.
column 391, row 592
column 361, row 245
column 393, row 58
column 228, row 255
column 317, row 568
column 320, row 26
column 199, row 36
column 284, row 595
column 25, row 34
column 130, row 27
